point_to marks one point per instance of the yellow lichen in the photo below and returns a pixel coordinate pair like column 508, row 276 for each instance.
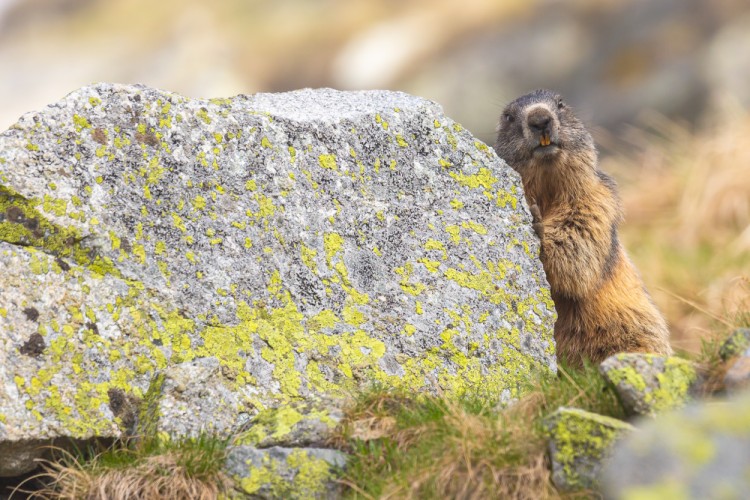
column 328, row 161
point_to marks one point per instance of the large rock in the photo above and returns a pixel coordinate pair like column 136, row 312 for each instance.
column 310, row 242
column 701, row 451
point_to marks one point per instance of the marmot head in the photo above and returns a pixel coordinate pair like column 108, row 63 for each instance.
column 540, row 131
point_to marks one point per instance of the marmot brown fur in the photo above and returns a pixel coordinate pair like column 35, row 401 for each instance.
column 602, row 305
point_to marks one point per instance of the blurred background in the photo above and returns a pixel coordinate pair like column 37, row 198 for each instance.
column 664, row 86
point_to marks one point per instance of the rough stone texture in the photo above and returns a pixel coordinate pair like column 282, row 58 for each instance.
column 195, row 397
column 64, row 390
column 311, row 242
column 285, row 472
column 648, row 384
column 19, row 454
column 735, row 344
column 579, row 444
column 738, row 374
column 701, row 451
column 299, row 423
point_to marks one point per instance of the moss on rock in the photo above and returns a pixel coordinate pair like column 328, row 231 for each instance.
column 735, row 344
column 299, row 423
column 647, row 383
column 285, row 472
column 579, row 442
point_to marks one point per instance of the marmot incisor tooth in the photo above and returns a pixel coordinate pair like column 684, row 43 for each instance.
column 602, row 305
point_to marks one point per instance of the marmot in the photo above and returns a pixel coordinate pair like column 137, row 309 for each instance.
column 602, row 305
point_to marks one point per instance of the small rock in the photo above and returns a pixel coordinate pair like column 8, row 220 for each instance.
column 294, row 424
column 648, row 384
column 738, row 374
column 285, row 472
column 21, row 456
column 192, row 398
column 579, row 443
column 735, row 344
column 701, row 451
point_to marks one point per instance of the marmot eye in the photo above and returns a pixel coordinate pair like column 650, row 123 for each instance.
column 508, row 117
column 560, row 104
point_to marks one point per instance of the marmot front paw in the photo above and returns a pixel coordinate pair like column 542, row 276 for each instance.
column 536, row 220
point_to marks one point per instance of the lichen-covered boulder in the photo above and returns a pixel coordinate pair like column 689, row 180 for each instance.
column 579, row 444
column 700, row 451
column 647, row 384
column 285, row 472
column 310, row 243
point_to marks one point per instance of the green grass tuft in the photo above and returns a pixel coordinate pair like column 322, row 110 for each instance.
column 190, row 468
column 427, row 447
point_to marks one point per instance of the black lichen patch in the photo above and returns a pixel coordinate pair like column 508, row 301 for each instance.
column 14, row 214
column 92, row 326
column 125, row 407
column 125, row 245
column 34, row 346
column 117, row 400
column 31, row 224
column 63, row 265
column 31, row 313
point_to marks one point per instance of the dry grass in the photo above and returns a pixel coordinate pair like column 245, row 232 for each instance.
column 181, row 471
column 483, row 458
column 432, row 448
column 438, row 449
column 687, row 202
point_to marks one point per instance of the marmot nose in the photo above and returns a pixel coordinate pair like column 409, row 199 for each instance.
column 539, row 120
